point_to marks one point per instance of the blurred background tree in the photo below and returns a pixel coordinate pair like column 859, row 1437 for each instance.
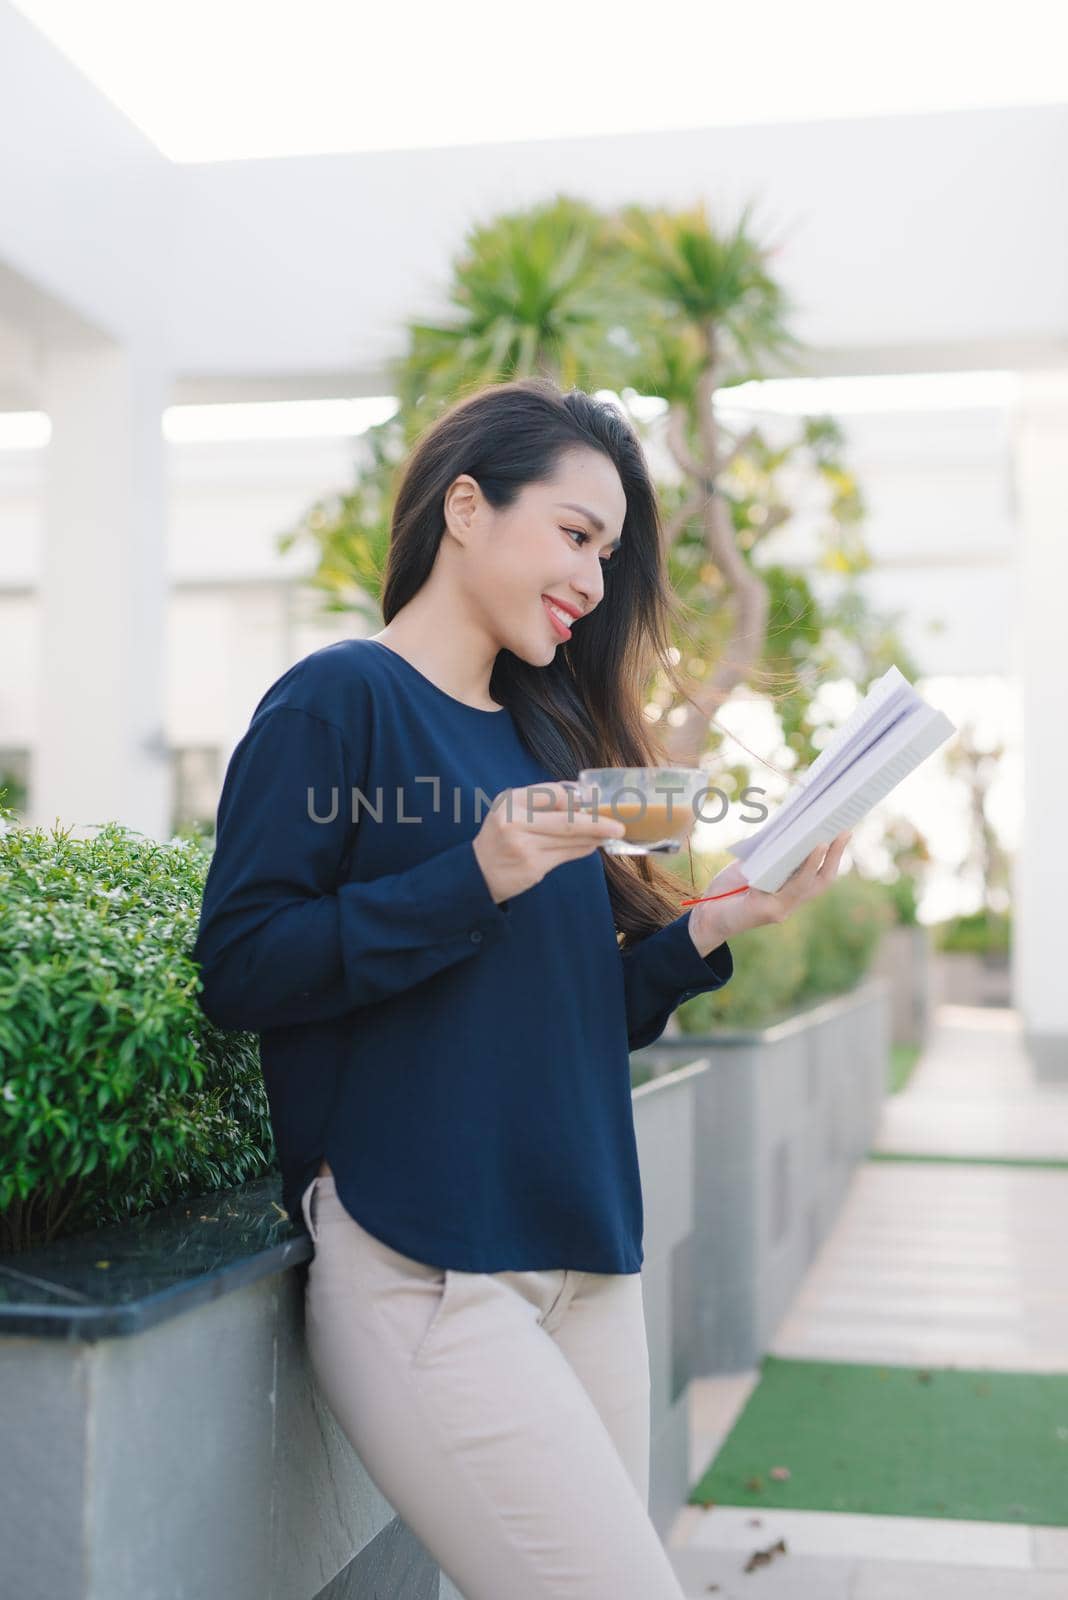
column 987, row 930
column 910, row 859
column 975, row 762
column 647, row 305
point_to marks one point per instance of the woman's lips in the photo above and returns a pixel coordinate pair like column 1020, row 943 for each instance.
column 564, row 632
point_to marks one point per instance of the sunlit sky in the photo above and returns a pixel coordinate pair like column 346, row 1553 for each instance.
column 214, row 80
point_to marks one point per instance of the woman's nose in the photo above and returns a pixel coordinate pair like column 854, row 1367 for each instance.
column 591, row 587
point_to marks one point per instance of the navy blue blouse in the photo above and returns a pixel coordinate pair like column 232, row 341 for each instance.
column 463, row 1065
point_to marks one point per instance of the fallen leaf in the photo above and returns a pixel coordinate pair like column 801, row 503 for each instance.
column 763, row 1558
column 754, row 1485
column 755, row 1522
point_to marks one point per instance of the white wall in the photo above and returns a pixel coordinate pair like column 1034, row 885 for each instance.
column 895, row 233
column 234, row 619
column 898, row 237
column 1041, row 885
column 88, row 212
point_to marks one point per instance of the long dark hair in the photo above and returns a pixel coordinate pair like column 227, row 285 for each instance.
column 583, row 709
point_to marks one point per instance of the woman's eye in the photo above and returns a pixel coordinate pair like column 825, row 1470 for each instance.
column 585, row 538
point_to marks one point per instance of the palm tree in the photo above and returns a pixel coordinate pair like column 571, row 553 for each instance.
column 639, row 303
column 717, row 317
column 542, row 292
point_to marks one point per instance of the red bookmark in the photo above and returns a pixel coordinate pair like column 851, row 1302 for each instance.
column 702, row 898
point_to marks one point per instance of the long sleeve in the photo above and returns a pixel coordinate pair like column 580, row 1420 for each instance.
column 662, row 971
column 282, row 940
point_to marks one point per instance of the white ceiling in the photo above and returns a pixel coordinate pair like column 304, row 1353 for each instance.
column 212, row 80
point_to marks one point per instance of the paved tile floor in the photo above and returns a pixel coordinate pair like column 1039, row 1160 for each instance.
column 973, row 1093
column 934, row 1264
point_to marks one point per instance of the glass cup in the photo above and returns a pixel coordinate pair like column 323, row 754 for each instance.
column 657, row 805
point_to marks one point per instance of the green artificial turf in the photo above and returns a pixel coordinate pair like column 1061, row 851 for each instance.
column 903, row 1057
column 1055, row 1162
column 898, row 1441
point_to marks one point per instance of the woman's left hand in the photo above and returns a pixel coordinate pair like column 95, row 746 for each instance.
column 711, row 922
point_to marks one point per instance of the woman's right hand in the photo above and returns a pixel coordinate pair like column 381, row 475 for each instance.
column 529, row 831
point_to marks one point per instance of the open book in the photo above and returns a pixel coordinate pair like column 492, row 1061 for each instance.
column 891, row 731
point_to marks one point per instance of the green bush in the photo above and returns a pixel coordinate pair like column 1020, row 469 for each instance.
column 841, row 930
column 979, row 933
column 824, row 948
column 904, row 899
column 769, row 969
column 117, row 1095
column 13, row 793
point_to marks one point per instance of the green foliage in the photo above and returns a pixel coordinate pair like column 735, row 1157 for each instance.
column 904, row 899
column 983, row 932
column 910, row 860
column 826, row 947
column 795, row 625
column 650, row 302
column 13, row 794
column 116, row 1093
column 702, row 288
column 903, row 1058
column 349, row 531
column 201, row 834
column 842, row 929
column 532, row 291
column 769, row 970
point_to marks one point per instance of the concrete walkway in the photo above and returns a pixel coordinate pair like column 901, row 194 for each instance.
column 973, row 1094
column 937, row 1265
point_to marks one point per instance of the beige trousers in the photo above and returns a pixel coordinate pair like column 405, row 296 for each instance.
column 504, row 1415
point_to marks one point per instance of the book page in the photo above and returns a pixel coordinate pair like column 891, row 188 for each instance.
column 886, row 738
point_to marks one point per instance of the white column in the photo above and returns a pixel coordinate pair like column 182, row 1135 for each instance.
column 1040, row 900
column 100, row 753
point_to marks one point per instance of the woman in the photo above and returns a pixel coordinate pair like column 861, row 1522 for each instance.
column 408, row 907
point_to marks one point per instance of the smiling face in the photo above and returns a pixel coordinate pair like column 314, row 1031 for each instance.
column 547, row 544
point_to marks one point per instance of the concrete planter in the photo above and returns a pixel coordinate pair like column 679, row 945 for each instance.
column 906, row 958
column 163, row 1433
column 665, row 1123
column 784, row 1115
